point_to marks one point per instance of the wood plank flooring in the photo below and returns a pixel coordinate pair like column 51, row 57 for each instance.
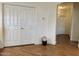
column 64, row 47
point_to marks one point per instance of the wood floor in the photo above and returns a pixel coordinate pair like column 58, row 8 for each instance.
column 63, row 48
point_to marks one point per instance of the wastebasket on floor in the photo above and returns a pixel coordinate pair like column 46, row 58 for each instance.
column 44, row 40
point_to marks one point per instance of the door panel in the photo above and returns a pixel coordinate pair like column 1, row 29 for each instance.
column 18, row 25
column 27, row 25
column 12, row 32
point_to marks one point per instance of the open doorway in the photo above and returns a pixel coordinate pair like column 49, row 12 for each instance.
column 64, row 20
column 67, row 29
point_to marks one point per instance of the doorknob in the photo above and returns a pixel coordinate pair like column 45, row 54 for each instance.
column 22, row 28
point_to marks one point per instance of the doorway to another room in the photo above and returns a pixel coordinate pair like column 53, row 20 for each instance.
column 67, row 23
column 64, row 22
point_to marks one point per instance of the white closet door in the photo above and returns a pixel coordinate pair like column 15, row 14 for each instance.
column 27, row 25
column 11, row 26
column 18, row 25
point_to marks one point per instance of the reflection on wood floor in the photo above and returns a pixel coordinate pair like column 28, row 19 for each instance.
column 64, row 47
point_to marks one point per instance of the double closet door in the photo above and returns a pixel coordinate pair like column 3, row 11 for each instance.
column 18, row 25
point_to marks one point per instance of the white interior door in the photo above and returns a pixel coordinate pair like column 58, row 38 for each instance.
column 18, row 25
column 27, row 25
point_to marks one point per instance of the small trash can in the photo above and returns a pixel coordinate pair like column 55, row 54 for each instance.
column 44, row 40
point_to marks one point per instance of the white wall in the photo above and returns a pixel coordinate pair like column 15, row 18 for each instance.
column 45, row 20
column 46, row 27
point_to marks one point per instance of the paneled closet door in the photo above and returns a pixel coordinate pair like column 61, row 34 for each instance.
column 18, row 25
column 11, row 25
column 27, row 25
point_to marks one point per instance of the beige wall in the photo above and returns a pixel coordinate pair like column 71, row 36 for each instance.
column 75, row 23
column 68, row 19
column 1, row 27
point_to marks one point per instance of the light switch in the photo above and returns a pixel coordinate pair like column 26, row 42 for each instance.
column 43, row 18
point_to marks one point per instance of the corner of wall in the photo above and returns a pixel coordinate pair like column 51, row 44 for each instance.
column 1, row 27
